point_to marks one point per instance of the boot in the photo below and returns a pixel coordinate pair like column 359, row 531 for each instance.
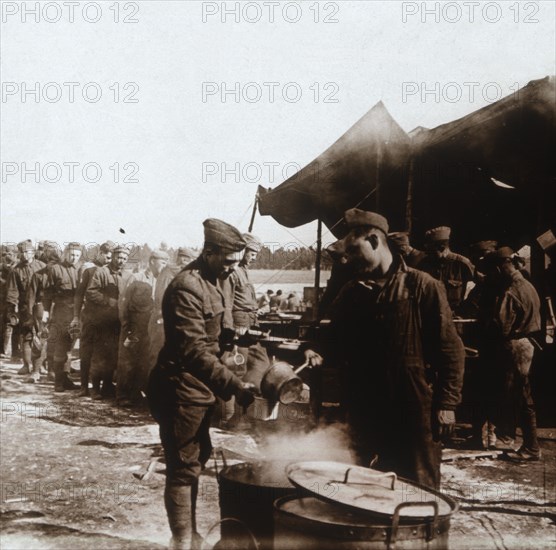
column 95, row 392
column 68, row 383
column 59, row 382
column 177, row 499
column 59, row 376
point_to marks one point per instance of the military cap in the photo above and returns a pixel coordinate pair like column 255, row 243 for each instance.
column 10, row 248
column 354, row 217
column 399, row 238
column 122, row 248
column 108, row 246
column 503, row 253
column 159, row 255
column 74, row 245
column 50, row 244
column 485, row 246
column 25, row 246
column 438, row 234
column 223, row 235
column 253, row 242
column 185, row 251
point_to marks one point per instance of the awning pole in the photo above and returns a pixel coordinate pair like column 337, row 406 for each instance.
column 317, row 266
column 252, row 222
column 409, row 199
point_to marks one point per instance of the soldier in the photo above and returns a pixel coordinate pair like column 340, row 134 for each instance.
column 83, row 313
column 9, row 261
column 59, row 293
column 514, row 320
column 135, row 311
column 41, row 351
column 189, row 373
column 185, row 256
column 156, row 329
column 243, row 309
column 401, row 245
column 386, row 326
column 454, row 270
column 16, row 292
column 102, row 295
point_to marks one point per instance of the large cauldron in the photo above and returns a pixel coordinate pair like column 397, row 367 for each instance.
column 247, row 493
column 308, row 523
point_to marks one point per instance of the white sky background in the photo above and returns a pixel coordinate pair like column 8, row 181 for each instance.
column 170, row 132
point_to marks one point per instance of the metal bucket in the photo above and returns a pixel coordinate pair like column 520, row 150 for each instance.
column 247, row 493
column 280, row 383
column 307, row 523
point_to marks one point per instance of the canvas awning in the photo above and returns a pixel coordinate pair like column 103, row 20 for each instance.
column 375, row 149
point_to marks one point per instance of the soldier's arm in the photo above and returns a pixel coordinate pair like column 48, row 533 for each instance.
column 12, row 291
column 506, row 315
column 192, row 344
column 52, row 280
column 94, row 292
column 443, row 347
column 79, row 297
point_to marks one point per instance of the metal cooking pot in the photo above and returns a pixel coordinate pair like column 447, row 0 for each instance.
column 280, row 383
column 308, row 523
column 247, row 492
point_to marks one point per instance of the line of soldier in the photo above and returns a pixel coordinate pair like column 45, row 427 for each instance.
column 54, row 299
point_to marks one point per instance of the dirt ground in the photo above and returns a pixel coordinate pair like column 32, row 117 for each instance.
column 70, row 472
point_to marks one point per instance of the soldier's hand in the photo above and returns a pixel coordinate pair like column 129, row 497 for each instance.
column 74, row 323
column 446, row 422
column 45, row 316
column 246, row 395
column 112, row 302
column 313, row 358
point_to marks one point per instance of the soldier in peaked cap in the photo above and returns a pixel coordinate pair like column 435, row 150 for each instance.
column 185, row 255
column 135, row 311
column 400, row 244
column 241, row 314
column 189, row 373
column 386, row 325
column 16, row 292
column 102, row 295
column 41, row 349
column 59, row 292
column 9, row 261
column 454, row 270
column 83, row 312
column 508, row 323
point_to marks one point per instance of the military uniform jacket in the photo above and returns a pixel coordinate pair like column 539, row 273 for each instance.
column 193, row 308
column 382, row 339
column 244, row 303
column 19, row 281
column 85, row 275
column 454, row 271
column 517, row 310
column 106, row 284
column 6, row 270
column 61, row 283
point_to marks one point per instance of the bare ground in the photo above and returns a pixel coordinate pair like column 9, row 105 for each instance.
column 70, row 467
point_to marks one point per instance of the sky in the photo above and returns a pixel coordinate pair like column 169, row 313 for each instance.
column 152, row 116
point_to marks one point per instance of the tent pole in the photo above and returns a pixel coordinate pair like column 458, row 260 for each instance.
column 377, row 176
column 317, row 266
column 409, row 199
column 252, row 222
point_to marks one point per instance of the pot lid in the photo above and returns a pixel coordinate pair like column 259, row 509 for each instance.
column 375, row 492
